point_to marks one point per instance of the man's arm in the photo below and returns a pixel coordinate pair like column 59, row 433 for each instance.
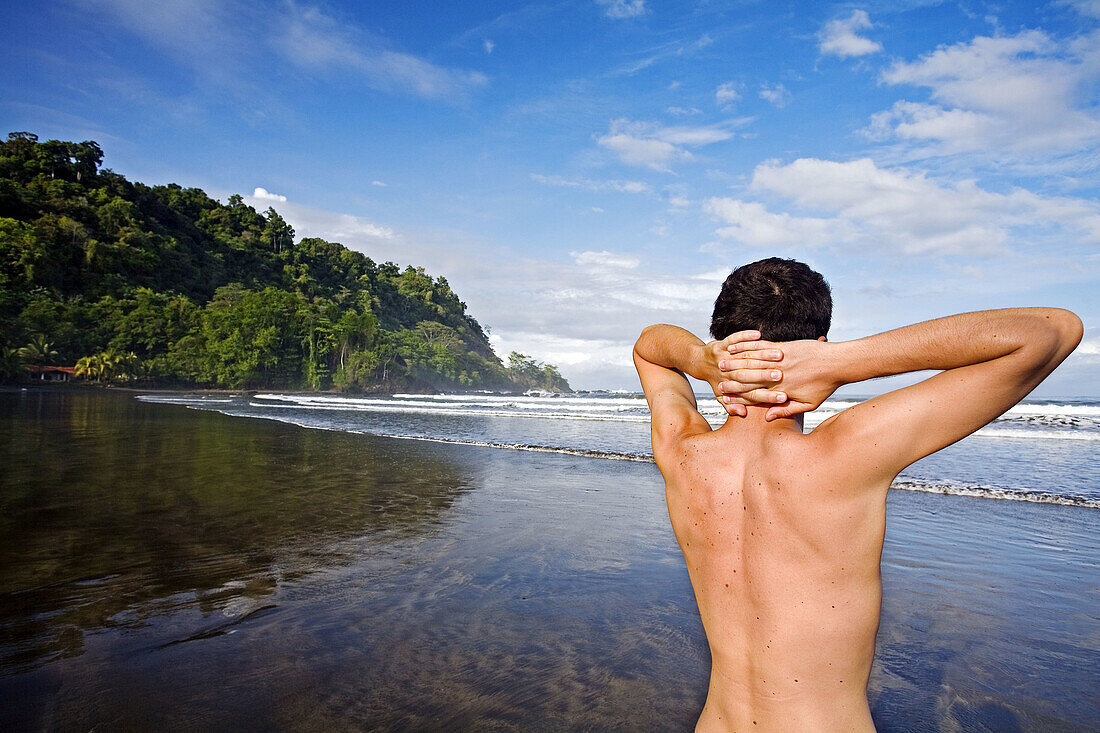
column 990, row 360
column 663, row 354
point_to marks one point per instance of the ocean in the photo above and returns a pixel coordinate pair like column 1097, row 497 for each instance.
column 1039, row 451
column 485, row 562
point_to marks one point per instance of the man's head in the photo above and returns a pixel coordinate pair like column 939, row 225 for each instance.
column 783, row 299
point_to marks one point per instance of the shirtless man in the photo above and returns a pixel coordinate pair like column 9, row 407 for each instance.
column 782, row 531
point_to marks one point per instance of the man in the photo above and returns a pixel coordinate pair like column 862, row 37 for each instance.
column 782, row 531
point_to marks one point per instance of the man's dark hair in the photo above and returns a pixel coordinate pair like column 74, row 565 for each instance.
column 783, row 299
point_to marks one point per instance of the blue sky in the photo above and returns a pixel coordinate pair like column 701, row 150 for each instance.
column 580, row 169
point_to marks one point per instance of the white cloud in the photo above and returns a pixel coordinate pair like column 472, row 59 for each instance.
column 693, row 135
column 655, row 154
column 657, row 147
column 234, row 43
column 840, row 37
column 1088, row 8
column 777, row 94
column 726, row 94
column 629, row 186
column 488, row 45
column 344, row 228
column 913, row 212
column 606, row 259
column 353, row 226
column 311, row 39
column 380, row 184
column 201, row 35
column 263, row 193
column 682, row 111
column 622, row 8
column 588, row 363
column 1089, row 347
column 915, row 121
column 585, row 315
column 752, row 224
column 590, row 185
column 665, row 52
column 897, row 211
column 991, row 73
column 1019, row 93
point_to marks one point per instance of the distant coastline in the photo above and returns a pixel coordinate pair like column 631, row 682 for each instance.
column 228, row 391
column 121, row 282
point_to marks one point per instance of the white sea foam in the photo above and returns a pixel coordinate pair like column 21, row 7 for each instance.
column 931, row 487
column 408, row 408
column 1027, row 408
column 184, row 399
column 1037, row 434
column 991, row 492
column 1028, row 422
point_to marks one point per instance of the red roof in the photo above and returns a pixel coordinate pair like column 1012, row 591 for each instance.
column 34, row 369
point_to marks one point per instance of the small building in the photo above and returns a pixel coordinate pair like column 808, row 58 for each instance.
column 51, row 373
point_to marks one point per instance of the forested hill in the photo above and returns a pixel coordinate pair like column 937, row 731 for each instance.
column 165, row 285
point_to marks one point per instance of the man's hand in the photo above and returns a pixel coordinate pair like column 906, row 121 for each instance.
column 674, row 348
column 750, row 381
column 805, row 382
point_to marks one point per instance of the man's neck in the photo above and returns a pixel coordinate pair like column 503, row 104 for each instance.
column 755, row 423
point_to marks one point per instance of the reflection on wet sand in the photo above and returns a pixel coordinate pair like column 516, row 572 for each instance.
column 115, row 511
column 214, row 572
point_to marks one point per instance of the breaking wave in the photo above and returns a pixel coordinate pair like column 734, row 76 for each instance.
column 1027, row 421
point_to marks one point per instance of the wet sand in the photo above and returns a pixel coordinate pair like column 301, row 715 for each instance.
column 179, row 569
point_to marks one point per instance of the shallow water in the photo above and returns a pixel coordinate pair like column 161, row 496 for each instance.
column 182, row 569
column 1040, row 451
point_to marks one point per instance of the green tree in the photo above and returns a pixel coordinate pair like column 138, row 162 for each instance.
column 277, row 234
column 354, row 331
column 11, row 364
column 199, row 292
column 528, row 373
column 88, row 367
column 38, row 351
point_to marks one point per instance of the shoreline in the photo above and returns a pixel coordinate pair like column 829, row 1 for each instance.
column 251, row 391
column 75, row 386
column 522, row 442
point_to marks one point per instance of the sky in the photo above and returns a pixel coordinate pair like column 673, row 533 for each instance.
column 580, row 169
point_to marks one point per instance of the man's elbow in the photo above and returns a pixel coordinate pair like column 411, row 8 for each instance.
column 645, row 337
column 1074, row 328
column 1067, row 327
column 1057, row 333
column 647, row 332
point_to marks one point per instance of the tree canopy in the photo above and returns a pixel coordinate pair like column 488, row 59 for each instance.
column 166, row 284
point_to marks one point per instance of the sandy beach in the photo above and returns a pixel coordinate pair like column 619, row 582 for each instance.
column 182, row 569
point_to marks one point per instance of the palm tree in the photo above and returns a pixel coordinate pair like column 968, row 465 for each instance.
column 127, row 365
column 39, row 351
column 87, row 367
column 109, row 364
column 11, row 363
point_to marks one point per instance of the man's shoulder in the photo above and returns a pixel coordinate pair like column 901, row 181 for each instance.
column 719, row 449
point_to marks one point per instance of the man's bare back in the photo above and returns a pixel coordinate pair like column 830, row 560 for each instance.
column 784, row 560
column 782, row 531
